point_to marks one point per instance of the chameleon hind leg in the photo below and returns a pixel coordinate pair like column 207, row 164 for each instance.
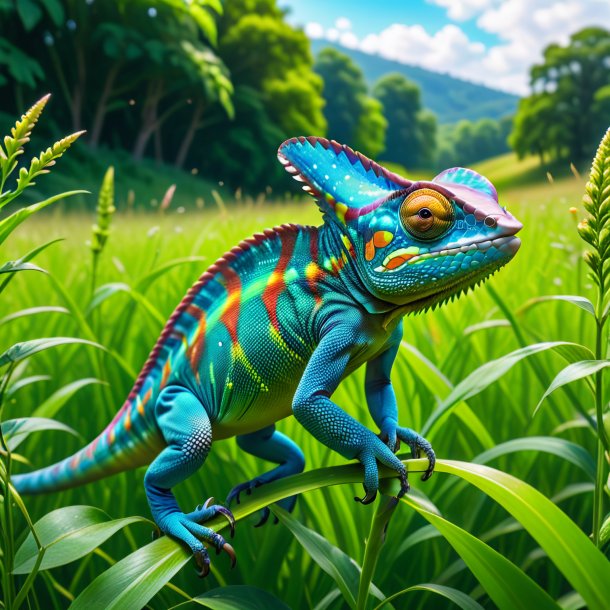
column 187, row 430
column 273, row 446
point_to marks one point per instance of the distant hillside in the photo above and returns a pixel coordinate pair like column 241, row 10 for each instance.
column 450, row 98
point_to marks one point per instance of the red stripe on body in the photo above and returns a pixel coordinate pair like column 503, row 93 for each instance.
column 195, row 350
column 277, row 282
column 230, row 315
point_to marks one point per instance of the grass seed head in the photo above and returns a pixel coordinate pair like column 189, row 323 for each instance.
column 105, row 210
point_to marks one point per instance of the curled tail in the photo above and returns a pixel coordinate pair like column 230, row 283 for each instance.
column 131, row 440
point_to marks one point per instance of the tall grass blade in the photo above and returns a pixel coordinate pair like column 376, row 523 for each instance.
column 237, row 597
column 68, row 534
column 509, row 587
column 459, row 598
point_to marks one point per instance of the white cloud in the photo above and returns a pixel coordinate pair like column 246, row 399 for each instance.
column 526, row 27
column 461, row 10
column 349, row 40
column 523, row 29
column 343, row 23
column 412, row 44
column 314, row 30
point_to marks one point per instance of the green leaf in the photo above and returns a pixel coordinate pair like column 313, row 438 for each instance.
column 145, row 281
column 25, row 381
column 31, row 311
column 339, row 566
column 238, row 597
column 474, row 328
column 555, row 532
column 436, row 382
column 9, row 224
column 454, row 595
column 29, row 13
column 571, row 601
column 604, row 532
column 55, row 10
column 491, row 371
column 577, row 300
column 28, row 257
column 25, row 349
column 557, row 446
column 58, row 399
column 573, row 372
column 68, row 534
column 17, row 430
column 14, row 266
column 130, row 583
column 507, row 585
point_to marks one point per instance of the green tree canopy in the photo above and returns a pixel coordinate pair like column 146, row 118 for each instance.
column 566, row 113
column 353, row 118
column 411, row 134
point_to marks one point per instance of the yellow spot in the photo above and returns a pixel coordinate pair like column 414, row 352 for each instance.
column 139, row 406
column 382, row 238
column 111, row 436
column 573, row 210
column 274, row 278
column 341, row 210
column 128, row 420
column 369, row 250
column 238, row 354
column 230, row 385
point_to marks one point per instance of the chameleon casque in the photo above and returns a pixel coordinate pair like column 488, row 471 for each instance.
column 274, row 325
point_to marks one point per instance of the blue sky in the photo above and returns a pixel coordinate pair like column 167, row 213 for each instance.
column 487, row 41
column 365, row 19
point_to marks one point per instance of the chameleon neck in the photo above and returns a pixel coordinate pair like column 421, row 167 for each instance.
column 338, row 254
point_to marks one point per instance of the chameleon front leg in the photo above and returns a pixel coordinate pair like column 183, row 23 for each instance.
column 273, row 446
column 328, row 423
column 381, row 400
column 187, row 430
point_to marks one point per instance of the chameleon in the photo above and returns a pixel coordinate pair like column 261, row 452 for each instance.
column 274, row 325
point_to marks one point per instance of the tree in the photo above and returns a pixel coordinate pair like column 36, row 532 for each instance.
column 369, row 133
column 277, row 94
column 563, row 116
column 353, row 117
column 411, row 135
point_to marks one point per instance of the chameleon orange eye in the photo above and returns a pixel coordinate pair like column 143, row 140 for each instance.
column 426, row 214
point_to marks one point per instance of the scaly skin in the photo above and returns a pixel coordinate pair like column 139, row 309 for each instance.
column 272, row 328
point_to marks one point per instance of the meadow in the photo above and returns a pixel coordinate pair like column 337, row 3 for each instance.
column 152, row 257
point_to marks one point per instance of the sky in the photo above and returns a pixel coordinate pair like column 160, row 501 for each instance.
column 493, row 42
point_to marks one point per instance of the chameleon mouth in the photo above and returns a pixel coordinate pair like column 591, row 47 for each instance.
column 507, row 244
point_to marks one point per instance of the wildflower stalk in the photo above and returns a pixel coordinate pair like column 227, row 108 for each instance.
column 595, row 230
column 101, row 230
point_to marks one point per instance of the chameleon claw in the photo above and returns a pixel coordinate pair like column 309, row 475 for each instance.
column 404, row 485
column 203, row 563
column 228, row 549
column 156, row 533
column 228, row 515
column 264, row 518
column 368, row 498
column 207, row 502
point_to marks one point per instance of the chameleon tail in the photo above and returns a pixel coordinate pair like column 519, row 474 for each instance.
column 127, row 442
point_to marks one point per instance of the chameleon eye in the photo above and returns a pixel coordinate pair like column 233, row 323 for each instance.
column 426, row 214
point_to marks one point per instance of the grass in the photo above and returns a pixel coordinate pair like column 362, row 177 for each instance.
column 454, row 340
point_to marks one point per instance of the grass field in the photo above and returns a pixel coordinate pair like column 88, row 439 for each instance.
column 440, row 349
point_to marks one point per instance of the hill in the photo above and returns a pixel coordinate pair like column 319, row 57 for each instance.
column 450, row 98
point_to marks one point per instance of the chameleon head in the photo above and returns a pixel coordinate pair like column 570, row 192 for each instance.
column 414, row 244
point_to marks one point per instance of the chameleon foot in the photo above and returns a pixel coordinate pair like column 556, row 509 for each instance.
column 185, row 528
column 417, row 444
column 208, row 510
column 375, row 452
